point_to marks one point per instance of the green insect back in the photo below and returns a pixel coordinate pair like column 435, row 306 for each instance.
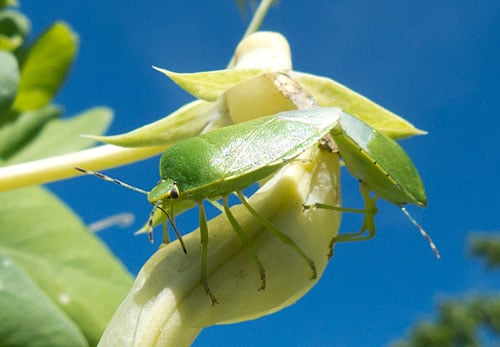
column 232, row 158
column 383, row 167
column 192, row 164
column 379, row 162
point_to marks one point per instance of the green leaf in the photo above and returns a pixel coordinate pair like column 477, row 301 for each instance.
column 9, row 44
column 187, row 121
column 487, row 247
column 46, row 66
column 75, row 272
column 29, row 317
column 330, row 93
column 64, row 136
column 199, row 116
column 14, row 23
column 9, row 80
column 14, row 28
column 4, row 3
column 18, row 129
column 211, row 84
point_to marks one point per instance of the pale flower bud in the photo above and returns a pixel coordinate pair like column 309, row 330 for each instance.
column 167, row 306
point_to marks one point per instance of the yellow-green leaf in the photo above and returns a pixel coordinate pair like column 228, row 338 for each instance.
column 19, row 129
column 330, row 93
column 187, row 121
column 46, row 67
column 211, row 84
column 77, row 280
column 10, row 43
column 58, row 137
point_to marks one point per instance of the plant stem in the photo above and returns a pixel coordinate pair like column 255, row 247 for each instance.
column 255, row 23
column 258, row 17
column 63, row 166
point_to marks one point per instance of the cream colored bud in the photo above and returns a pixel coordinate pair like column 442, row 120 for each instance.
column 263, row 49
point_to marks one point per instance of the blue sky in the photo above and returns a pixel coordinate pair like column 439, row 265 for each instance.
column 435, row 63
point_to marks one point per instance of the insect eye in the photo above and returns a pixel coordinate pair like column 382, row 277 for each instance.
column 174, row 192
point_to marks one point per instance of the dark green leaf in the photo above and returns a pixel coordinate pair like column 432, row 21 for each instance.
column 9, row 80
column 488, row 247
column 55, row 251
column 14, row 28
column 45, row 67
column 14, row 23
column 4, row 3
column 461, row 322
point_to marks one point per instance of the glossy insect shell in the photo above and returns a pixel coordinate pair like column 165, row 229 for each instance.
column 231, row 158
column 379, row 162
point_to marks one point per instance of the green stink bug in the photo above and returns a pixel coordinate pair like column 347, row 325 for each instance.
column 382, row 167
column 230, row 159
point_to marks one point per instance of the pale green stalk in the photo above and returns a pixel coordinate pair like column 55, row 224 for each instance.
column 258, row 17
column 255, row 23
column 63, row 166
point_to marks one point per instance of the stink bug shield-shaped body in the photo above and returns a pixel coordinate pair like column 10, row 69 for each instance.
column 228, row 160
column 232, row 158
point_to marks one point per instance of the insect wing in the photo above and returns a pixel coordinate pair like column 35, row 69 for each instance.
column 272, row 140
column 379, row 162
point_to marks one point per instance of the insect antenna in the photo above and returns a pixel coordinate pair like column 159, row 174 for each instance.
column 111, row 179
column 422, row 231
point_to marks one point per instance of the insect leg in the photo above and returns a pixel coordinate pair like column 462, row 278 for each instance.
column 276, row 232
column 217, row 205
column 244, row 239
column 370, row 210
column 166, row 239
column 164, row 214
column 171, row 219
column 204, row 249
